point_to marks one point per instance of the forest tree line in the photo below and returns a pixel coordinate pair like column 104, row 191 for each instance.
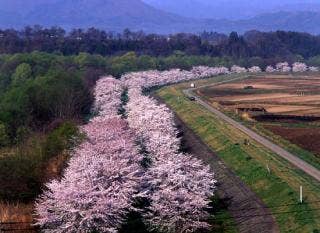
column 269, row 46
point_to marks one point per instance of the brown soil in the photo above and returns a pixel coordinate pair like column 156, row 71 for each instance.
column 306, row 138
column 276, row 118
column 287, row 108
column 256, row 97
column 277, row 94
column 274, row 82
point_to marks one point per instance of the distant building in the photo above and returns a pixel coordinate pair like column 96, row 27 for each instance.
column 193, row 85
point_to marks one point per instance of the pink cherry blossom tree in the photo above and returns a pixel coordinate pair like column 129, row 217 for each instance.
column 283, row 67
column 205, row 71
column 107, row 95
column 299, row 67
column 153, row 122
column 238, row 69
column 182, row 187
column 254, row 69
column 270, row 69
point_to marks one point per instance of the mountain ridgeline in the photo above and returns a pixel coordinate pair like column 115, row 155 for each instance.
column 232, row 9
column 116, row 15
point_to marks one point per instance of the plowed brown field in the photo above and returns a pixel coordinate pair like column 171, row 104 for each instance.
column 307, row 138
column 278, row 94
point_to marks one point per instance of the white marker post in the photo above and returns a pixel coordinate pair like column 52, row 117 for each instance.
column 301, row 197
column 268, row 169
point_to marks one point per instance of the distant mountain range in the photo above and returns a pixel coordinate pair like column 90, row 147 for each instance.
column 231, row 9
column 116, row 15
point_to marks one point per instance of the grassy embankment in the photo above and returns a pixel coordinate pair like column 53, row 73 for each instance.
column 279, row 189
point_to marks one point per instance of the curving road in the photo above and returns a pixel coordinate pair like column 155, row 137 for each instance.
column 293, row 159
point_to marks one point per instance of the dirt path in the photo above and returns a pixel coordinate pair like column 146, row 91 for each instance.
column 299, row 163
column 250, row 214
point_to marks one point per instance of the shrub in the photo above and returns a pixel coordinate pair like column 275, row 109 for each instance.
column 62, row 138
column 20, row 177
column 22, row 73
column 23, row 173
column 4, row 139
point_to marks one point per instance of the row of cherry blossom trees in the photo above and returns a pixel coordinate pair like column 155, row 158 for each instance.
column 152, row 78
column 102, row 177
column 158, row 78
column 107, row 94
column 296, row 67
column 180, row 185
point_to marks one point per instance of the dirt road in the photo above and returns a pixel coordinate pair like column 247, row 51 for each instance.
column 299, row 163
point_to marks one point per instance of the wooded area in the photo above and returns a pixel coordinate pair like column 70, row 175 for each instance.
column 269, row 47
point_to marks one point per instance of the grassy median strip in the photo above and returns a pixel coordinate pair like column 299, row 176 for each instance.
column 279, row 189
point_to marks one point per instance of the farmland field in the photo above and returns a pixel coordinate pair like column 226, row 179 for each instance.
column 283, row 105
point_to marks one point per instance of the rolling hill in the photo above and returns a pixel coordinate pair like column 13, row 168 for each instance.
column 231, row 9
column 116, row 15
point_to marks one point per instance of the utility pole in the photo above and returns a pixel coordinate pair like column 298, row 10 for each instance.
column 301, row 197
